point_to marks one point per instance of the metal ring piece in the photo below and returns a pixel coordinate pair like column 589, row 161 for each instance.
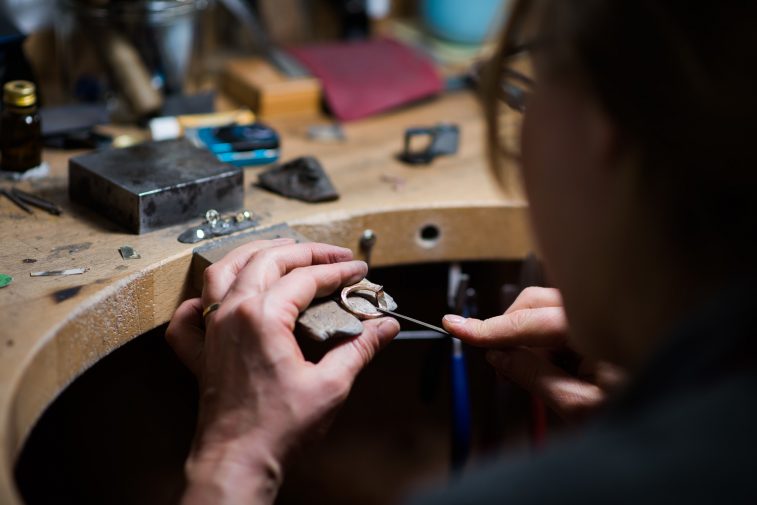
column 210, row 308
column 364, row 285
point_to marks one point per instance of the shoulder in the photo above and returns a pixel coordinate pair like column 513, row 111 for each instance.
column 694, row 447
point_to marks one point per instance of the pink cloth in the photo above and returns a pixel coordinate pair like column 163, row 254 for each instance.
column 367, row 77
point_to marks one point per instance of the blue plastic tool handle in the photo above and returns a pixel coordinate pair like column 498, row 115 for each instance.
column 461, row 414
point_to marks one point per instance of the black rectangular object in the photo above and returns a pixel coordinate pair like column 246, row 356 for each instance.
column 155, row 184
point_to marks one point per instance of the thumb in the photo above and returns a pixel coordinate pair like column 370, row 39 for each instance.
column 352, row 355
column 539, row 327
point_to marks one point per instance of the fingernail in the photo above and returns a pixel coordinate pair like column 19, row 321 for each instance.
column 498, row 359
column 454, row 319
column 388, row 328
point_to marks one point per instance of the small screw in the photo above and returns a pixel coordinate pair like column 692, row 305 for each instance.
column 367, row 241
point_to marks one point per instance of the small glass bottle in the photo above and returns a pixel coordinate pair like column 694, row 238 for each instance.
column 20, row 131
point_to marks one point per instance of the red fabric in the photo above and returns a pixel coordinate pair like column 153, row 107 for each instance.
column 363, row 78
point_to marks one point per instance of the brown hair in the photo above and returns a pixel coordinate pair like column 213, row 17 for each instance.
column 678, row 80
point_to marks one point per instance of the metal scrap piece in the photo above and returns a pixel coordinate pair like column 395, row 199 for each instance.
column 128, row 253
column 50, row 273
column 445, row 140
column 302, row 178
column 326, row 133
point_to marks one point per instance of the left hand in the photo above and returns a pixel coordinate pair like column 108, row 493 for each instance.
column 259, row 397
column 524, row 343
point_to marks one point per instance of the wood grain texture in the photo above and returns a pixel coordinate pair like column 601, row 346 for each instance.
column 258, row 85
column 54, row 328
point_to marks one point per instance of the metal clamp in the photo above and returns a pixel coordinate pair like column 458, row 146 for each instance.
column 216, row 225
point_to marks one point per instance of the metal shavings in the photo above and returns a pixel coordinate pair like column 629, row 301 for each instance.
column 326, row 133
column 128, row 253
column 5, row 280
column 51, row 273
column 397, row 183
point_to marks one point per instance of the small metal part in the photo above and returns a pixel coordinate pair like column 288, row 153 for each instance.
column 412, row 320
column 245, row 215
column 128, row 253
column 326, row 133
column 5, row 280
column 367, row 241
column 10, row 196
column 364, row 285
column 36, row 201
column 445, row 139
column 51, row 273
column 216, row 225
column 212, row 217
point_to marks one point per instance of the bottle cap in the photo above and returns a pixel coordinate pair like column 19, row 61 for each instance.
column 19, row 93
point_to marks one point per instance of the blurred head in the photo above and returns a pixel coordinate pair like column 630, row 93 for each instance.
column 635, row 148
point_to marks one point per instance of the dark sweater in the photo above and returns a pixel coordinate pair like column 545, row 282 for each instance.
column 684, row 431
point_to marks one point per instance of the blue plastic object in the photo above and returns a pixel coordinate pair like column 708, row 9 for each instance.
column 240, row 145
column 463, row 21
column 461, row 413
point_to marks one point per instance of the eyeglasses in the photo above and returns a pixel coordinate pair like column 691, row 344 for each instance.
column 515, row 88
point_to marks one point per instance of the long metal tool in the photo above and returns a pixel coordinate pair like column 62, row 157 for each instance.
column 416, row 321
column 244, row 12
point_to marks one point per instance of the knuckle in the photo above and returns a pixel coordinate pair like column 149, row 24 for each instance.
column 249, row 310
column 531, row 292
column 330, row 276
column 580, row 400
column 519, row 321
column 273, row 257
column 484, row 328
column 363, row 349
column 211, row 273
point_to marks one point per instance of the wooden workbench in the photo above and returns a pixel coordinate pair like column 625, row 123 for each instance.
column 54, row 328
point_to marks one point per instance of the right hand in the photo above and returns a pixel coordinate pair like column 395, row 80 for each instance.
column 522, row 344
column 259, row 397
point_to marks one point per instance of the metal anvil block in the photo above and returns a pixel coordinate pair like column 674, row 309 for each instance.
column 154, row 185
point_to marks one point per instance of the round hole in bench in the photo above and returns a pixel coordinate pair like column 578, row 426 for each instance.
column 429, row 235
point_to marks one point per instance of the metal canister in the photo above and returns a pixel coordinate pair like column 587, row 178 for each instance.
column 129, row 52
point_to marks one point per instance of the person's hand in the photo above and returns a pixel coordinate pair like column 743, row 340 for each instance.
column 259, row 397
column 529, row 345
